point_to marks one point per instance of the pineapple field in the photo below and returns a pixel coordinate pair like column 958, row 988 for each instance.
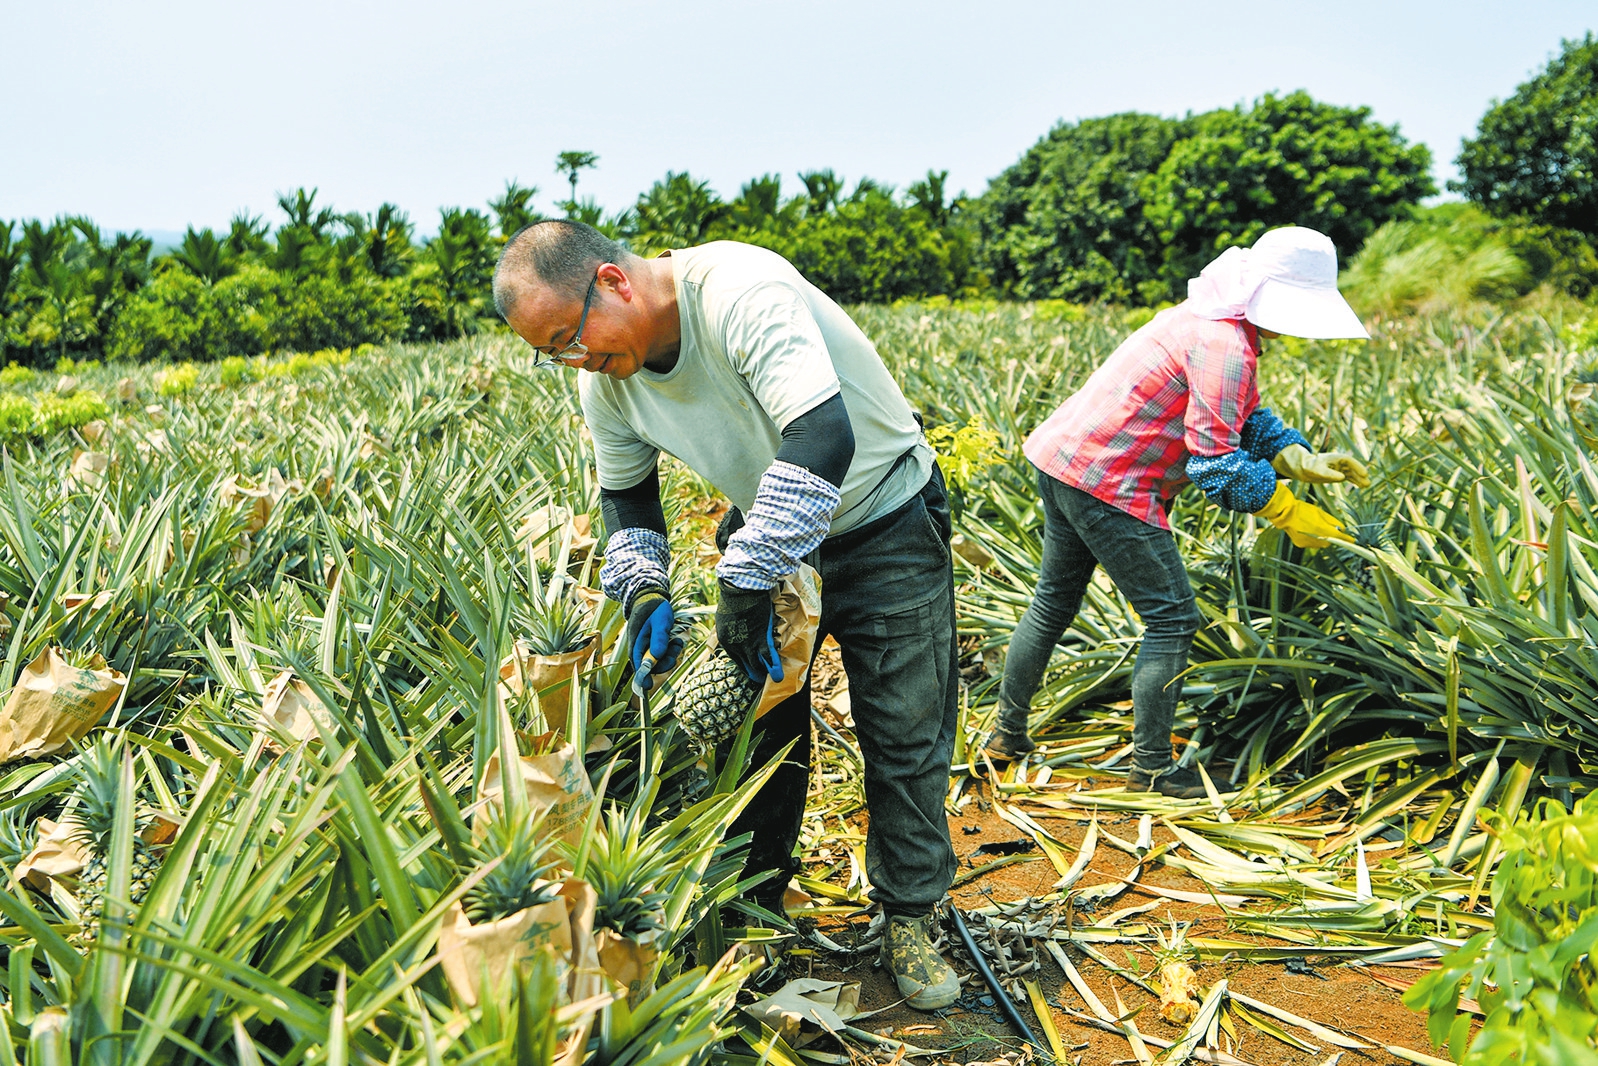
column 319, row 749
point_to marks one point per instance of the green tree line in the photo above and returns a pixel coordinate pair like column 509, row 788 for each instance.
column 1122, row 209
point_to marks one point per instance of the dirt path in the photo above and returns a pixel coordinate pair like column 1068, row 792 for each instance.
column 1339, row 996
column 1343, row 997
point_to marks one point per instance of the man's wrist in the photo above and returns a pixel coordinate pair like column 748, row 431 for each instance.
column 789, row 519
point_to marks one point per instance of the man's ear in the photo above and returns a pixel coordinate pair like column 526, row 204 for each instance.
column 616, row 280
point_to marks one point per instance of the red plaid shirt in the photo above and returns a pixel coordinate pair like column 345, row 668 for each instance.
column 1180, row 386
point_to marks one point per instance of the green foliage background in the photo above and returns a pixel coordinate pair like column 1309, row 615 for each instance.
column 1121, row 209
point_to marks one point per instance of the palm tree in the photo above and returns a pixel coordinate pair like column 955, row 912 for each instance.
column 300, row 207
column 822, row 187
column 928, row 196
column 114, row 271
column 247, row 236
column 388, row 242
column 514, row 210
column 463, row 252
column 48, row 249
column 677, row 212
column 759, row 206
column 10, row 259
column 569, row 164
column 204, row 255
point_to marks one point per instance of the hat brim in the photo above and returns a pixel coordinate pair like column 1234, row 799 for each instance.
column 1315, row 314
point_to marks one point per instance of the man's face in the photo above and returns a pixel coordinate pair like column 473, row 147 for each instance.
column 549, row 321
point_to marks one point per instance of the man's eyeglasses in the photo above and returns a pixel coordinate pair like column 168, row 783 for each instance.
column 548, row 355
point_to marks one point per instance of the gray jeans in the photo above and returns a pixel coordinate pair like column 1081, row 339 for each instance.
column 887, row 597
column 1080, row 532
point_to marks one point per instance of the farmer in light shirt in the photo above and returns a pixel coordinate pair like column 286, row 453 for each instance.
column 1176, row 402
column 727, row 358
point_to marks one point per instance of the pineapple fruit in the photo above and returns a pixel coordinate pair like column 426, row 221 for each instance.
column 713, row 699
column 1177, row 980
column 92, row 820
column 1370, row 522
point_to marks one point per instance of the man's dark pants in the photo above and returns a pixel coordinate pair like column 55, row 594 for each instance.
column 887, row 598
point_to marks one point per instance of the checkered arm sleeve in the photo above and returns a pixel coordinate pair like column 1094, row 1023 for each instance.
column 789, row 519
column 636, row 560
column 1234, row 479
column 1264, row 434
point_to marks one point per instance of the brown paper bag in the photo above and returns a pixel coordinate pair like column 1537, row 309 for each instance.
column 548, row 675
column 797, row 602
column 88, row 469
column 73, row 600
column 552, row 516
column 289, row 707
column 627, row 962
column 470, row 954
column 55, row 855
column 261, row 499
column 556, row 783
column 54, row 703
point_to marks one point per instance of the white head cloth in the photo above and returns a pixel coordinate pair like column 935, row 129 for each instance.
column 1224, row 288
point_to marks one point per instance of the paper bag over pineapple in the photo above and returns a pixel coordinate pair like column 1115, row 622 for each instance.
column 713, row 699
column 57, row 699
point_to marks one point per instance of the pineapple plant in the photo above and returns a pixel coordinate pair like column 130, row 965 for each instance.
column 518, row 880
column 92, row 818
column 557, row 627
column 713, row 699
column 1177, row 980
column 1369, row 520
column 17, row 836
column 625, row 875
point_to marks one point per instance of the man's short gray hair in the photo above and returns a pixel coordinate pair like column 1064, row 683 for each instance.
column 559, row 254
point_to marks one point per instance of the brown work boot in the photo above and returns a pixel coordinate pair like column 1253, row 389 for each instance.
column 1003, row 746
column 910, row 953
column 1175, row 781
column 1009, row 740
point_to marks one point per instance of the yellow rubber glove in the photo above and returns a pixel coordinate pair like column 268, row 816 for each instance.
column 1301, row 464
column 1305, row 524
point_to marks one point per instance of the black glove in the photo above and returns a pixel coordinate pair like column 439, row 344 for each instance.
column 746, row 628
column 649, row 628
column 731, row 522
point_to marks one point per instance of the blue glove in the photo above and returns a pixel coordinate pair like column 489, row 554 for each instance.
column 649, row 630
column 746, row 628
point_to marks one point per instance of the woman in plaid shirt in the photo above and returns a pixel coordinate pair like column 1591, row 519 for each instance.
column 1176, row 402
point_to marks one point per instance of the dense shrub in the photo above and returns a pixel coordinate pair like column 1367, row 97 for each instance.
column 180, row 317
column 56, row 413
column 1536, row 153
column 1067, row 219
column 1128, row 207
column 871, row 249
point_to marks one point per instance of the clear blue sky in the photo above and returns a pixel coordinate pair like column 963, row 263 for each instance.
column 165, row 113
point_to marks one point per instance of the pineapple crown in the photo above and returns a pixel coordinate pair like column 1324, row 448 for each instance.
column 1173, row 948
column 619, row 868
column 517, row 881
column 99, row 770
column 557, row 627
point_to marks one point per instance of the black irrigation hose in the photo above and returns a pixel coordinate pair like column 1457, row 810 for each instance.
column 1006, row 1004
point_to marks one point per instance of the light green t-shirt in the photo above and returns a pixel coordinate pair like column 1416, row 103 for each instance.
column 760, row 347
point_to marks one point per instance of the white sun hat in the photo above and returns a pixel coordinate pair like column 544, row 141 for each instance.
column 1286, row 283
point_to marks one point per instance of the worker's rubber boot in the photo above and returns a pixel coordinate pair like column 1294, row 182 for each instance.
column 1175, row 781
column 910, row 953
column 1009, row 740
